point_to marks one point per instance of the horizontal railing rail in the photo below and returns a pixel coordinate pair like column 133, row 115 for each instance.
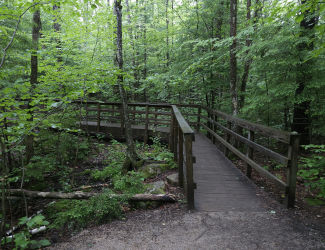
column 233, row 134
column 220, row 127
column 182, row 137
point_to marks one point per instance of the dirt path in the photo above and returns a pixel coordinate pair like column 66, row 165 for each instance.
column 173, row 227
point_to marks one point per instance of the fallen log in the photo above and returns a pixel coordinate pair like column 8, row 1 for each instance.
column 90, row 187
column 83, row 195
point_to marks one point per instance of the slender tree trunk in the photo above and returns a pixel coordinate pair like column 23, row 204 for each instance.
column 167, row 34
column 33, row 78
column 233, row 58
column 248, row 60
column 145, row 49
column 301, row 112
column 131, row 155
column 57, row 29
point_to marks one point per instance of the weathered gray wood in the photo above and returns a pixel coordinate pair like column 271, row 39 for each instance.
column 198, row 118
column 176, row 127
column 98, row 117
column 189, row 171
column 180, row 157
column 146, row 133
column 247, row 160
column 227, row 137
column 221, row 187
column 171, row 134
column 181, row 121
column 268, row 152
column 250, row 154
column 292, row 170
column 214, row 121
column 258, row 128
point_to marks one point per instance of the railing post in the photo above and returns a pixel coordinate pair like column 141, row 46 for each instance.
column 134, row 114
column 146, row 132
column 250, row 153
column 214, row 119
column 122, row 119
column 208, row 122
column 175, row 140
column 198, row 119
column 87, row 123
column 113, row 113
column 292, row 170
column 189, row 171
column 98, row 117
column 171, row 136
column 227, row 139
column 180, row 158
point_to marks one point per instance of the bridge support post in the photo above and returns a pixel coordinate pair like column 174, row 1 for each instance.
column 189, row 171
column 214, row 127
column 171, row 133
column 180, row 158
column 198, row 119
column 175, row 140
column 227, row 139
column 250, row 153
column 146, row 133
column 292, row 169
column 98, row 117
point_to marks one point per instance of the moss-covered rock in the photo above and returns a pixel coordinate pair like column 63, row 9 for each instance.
column 153, row 169
column 157, row 187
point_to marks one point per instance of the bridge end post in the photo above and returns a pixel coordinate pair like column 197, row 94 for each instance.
column 198, row 118
column 189, row 171
column 292, row 170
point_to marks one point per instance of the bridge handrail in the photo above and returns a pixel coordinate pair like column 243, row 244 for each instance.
column 181, row 135
column 291, row 140
column 277, row 134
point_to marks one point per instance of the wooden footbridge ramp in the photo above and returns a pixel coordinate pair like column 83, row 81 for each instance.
column 201, row 140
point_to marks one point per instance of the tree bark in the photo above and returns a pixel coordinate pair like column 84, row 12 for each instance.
column 233, row 58
column 132, row 157
column 167, row 34
column 57, row 29
column 83, row 195
column 33, row 78
column 248, row 60
column 301, row 112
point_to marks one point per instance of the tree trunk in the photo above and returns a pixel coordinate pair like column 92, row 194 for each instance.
column 167, row 34
column 301, row 112
column 33, row 78
column 145, row 56
column 57, row 29
column 131, row 155
column 248, row 60
column 233, row 59
column 83, row 195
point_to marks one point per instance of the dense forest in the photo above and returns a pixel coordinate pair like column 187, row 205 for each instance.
column 261, row 60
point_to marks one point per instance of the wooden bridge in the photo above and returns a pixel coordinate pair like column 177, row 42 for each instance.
column 200, row 139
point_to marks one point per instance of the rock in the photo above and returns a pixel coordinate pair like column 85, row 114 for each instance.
column 173, row 179
column 153, row 169
column 156, row 187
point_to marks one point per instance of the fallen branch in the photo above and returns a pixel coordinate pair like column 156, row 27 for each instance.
column 83, row 195
column 90, row 187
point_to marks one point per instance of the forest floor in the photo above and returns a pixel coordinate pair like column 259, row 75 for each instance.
column 174, row 227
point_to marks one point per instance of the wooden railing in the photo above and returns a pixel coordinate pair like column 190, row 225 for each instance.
column 220, row 127
column 182, row 137
column 139, row 114
column 219, row 123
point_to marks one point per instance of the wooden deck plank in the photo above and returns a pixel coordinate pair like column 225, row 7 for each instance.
column 220, row 185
